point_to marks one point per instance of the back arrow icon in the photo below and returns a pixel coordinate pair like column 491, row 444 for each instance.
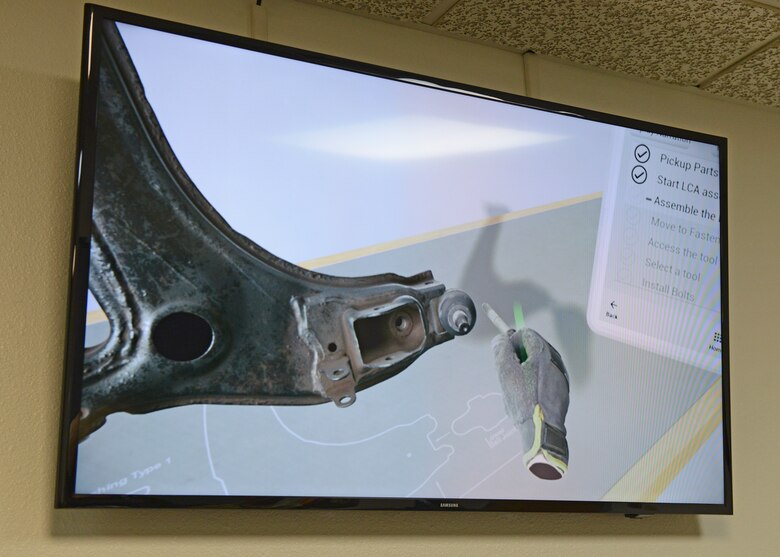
column 613, row 305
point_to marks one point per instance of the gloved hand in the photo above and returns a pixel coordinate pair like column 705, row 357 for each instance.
column 536, row 397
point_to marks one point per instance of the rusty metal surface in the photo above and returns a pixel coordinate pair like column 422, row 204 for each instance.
column 201, row 314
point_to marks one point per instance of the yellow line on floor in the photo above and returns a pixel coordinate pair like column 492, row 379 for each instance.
column 652, row 474
column 96, row 316
column 441, row 233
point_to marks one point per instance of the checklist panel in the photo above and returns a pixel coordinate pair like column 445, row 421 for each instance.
column 656, row 276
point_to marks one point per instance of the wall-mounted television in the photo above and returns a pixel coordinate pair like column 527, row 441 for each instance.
column 303, row 281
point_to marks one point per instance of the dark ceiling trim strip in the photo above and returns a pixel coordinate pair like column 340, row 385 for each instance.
column 438, row 11
column 757, row 48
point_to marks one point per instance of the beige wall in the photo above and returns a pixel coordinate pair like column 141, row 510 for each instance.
column 39, row 65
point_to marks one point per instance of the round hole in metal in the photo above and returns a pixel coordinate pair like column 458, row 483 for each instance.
column 182, row 336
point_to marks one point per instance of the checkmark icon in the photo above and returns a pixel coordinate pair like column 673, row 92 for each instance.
column 642, row 153
column 639, row 174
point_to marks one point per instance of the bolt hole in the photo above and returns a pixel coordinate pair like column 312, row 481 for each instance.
column 332, row 347
column 182, row 336
column 402, row 323
column 346, row 400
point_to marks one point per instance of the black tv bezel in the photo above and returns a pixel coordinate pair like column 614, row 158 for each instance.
column 66, row 496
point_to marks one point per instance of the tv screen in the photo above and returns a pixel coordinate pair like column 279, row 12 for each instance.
column 304, row 281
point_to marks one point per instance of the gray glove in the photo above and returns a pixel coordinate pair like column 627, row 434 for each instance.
column 536, row 397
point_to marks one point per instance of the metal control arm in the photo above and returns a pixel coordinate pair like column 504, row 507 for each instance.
column 201, row 314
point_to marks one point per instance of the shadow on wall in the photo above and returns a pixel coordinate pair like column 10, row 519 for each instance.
column 358, row 524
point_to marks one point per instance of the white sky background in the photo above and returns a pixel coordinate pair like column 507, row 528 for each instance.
column 309, row 161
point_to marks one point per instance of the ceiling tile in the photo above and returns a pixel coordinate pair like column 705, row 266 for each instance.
column 408, row 10
column 678, row 41
column 757, row 79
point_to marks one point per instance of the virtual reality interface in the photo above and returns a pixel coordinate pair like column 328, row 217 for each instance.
column 306, row 281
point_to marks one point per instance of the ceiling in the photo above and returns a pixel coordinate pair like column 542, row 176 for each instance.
column 727, row 47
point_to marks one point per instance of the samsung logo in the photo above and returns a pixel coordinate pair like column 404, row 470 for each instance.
column 449, row 505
